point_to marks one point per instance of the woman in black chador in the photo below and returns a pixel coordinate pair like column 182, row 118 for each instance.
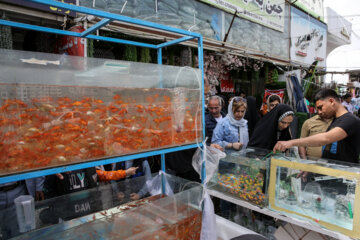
column 273, row 127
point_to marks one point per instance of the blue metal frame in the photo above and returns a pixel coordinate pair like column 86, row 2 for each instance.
column 107, row 18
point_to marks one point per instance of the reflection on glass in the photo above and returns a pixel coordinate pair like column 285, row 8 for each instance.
column 319, row 197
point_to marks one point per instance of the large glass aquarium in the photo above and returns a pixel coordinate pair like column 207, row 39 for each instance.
column 322, row 191
column 242, row 175
column 99, row 213
column 156, row 217
column 59, row 110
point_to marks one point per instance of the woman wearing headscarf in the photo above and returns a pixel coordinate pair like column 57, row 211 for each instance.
column 273, row 127
column 232, row 132
column 252, row 114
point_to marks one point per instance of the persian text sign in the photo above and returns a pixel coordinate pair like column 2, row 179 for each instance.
column 269, row 13
column 315, row 8
column 308, row 39
column 227, row 86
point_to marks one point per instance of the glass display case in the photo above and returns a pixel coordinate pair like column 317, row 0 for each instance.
column 58, row 213
column 156, row 217
column 58, row 110
column 243, row 175
column 322, row 191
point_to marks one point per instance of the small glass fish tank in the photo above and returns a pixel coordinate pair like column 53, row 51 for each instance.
column 242, row 174
column 323, row 192
column 58, row 110
column 157, row 217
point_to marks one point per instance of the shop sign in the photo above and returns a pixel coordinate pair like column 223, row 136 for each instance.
column 44, row 7
column 338, row 26
column 314, row 7
column 269, row 13
column 308, row 39
column 227, row 84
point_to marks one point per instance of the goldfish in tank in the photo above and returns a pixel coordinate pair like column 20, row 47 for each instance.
column 52, row 131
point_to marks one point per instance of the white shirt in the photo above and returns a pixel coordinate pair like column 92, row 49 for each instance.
column 349, row 106
column 218, row 119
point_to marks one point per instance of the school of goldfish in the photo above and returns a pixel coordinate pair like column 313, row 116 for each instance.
column 50, row 131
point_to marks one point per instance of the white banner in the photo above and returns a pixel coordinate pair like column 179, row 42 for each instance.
column 308, row 39
column 269, row 13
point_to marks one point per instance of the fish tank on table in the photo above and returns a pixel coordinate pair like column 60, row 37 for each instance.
column 59, row 110
column 57, row 214
column 157, row 217
column 242, row 174
column 323, row 192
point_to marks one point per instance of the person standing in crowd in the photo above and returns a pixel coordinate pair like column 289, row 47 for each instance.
column 242, row 94
column 232, row 135
column 180, row 164
column 76, row 181
column 230, row 97
column 357, row 105
column 312, row 126
column 141, row 167
column 347, row 102
column 274, row 126
column 232, row 132
column 213, row 117
column 272, row 101
column 228, row 100
column 252, row 114
column 341, row 141
column 8, row 193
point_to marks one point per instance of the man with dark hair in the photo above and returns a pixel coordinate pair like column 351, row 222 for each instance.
column 341, row 141
column 347, row 102
column 272, row 101
column 213, row 117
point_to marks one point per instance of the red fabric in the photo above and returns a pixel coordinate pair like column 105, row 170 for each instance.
column 268, row 92
column 73, row 46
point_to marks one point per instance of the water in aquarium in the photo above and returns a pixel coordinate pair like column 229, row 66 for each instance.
column 315, row 196
column 69, row 109
column 242, row 174
column 157, row 217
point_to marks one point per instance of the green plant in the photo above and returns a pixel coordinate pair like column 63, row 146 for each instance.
column 130, row 53
column 90, row 47
column 5, row 35
column 145, row 55
column 275, row 75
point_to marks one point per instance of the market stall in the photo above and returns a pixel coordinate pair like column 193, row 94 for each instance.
column 61, row 113
column 324, row 201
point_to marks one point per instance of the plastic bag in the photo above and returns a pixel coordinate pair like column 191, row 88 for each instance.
column 154, row 185
column 208, row 224
column 212, row 157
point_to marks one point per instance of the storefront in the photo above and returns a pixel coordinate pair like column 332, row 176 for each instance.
column 96, row 116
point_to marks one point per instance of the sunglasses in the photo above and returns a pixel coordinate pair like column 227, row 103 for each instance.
column 239, row 99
